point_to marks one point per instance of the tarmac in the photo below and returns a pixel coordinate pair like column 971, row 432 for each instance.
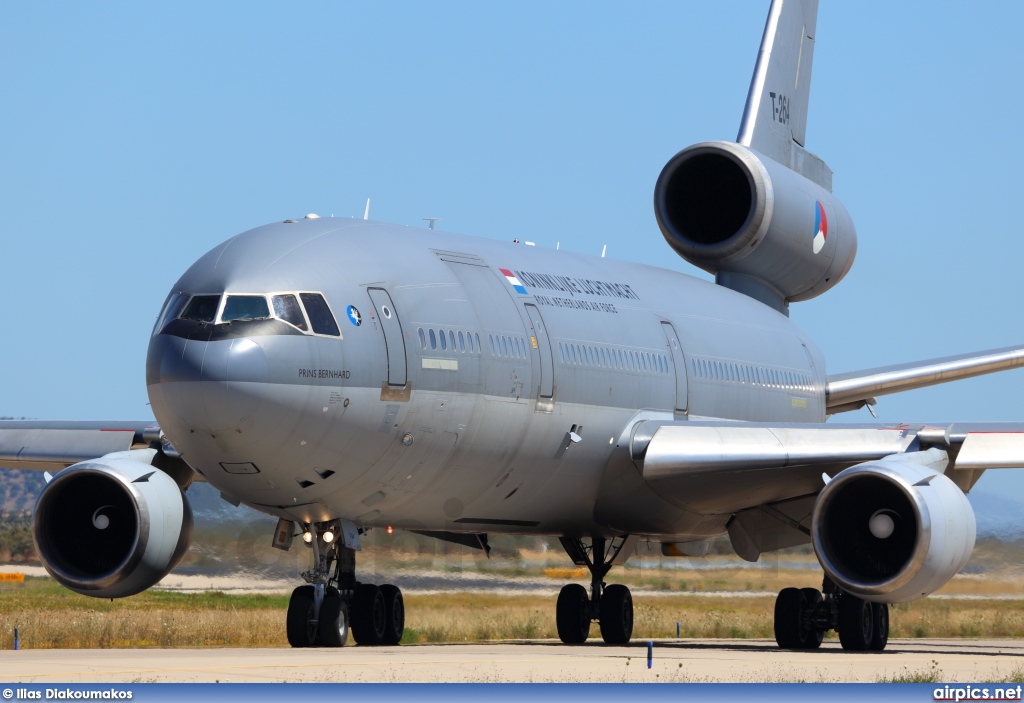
column 682, row 661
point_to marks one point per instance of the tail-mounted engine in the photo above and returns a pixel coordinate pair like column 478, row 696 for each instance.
column 892, row 530
column 762, row 228
column 111, row 527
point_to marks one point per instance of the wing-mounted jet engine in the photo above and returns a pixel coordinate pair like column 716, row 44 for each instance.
column 893, row 530
column 113, row 526
column 759, row 226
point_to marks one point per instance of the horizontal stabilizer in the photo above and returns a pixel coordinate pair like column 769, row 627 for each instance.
column 850, row 391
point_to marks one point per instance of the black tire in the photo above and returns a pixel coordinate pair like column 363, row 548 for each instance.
column 367, row 615
column 572, row 614
column 880, row 631
column 394, row 614
column 299, row 622
column 789, row 607
column 856, row 623
column 616, row 614
column 812, row 596
column 332, row 629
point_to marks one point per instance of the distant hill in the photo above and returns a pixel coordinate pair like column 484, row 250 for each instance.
column 18, row 490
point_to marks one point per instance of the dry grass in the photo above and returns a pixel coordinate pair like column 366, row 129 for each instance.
column 51, row 617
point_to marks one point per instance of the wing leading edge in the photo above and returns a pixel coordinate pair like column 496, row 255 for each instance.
column 55, row 445
column 855, row 389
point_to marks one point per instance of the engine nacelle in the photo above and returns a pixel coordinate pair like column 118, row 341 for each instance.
column 729, row 210
column 111, row 527
column 892, row 530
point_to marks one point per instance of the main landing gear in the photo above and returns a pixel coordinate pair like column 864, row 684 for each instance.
column 322, row 613
column 803, row 615
column 611, row 606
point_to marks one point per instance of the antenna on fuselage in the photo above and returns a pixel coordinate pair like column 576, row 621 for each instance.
column 432, row 220
column 366, row 212
column 603, row 250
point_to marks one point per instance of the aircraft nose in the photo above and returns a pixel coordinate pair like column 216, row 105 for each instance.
column 211, row 385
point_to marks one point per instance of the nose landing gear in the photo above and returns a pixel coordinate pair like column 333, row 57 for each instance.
column 322, row 613
column 611, row 606
column 803, row 615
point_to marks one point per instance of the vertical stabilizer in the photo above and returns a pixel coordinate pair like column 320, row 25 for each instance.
column 775, row 115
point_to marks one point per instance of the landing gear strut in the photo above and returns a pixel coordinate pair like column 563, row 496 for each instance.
column 611, row 606
column 803, row 615
column 322, row 613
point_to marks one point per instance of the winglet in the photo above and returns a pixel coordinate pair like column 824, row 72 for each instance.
column 775, row 115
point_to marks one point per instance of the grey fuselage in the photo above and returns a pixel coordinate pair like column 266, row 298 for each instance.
column 381, row 428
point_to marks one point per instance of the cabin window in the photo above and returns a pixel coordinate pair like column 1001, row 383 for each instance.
column 423, row 338
column 462, row 343
column 433, row 339
column 451, row 339
column 444, row 341
column 286, row 307
column 321, row 319
column 202, row 308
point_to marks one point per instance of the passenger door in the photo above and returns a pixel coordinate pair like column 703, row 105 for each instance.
column 540, row 342
column 394, row 340
column 676, row 351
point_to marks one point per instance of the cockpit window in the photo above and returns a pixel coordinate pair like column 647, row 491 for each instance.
column 320, row 316
column 286, row 307
column 245, row 307
column 202, row 308
column 172, row 308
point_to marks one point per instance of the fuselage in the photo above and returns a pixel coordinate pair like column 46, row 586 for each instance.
column 470, row 385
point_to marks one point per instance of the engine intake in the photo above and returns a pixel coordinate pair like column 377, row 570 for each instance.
column 892, row 530
column 729, row 210
column 111, row 527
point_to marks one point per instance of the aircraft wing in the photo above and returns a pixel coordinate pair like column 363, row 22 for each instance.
column 768, row 476
column 854, row 389
column 52, row 446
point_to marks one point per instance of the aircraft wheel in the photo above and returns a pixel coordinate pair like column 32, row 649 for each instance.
column 368, row 616
column 299, row 623
column 332, row 630
column 856, row 623
column 616, row 614
column 812, row 596
column 572, row 614
column 880, row 631
column 789, row 607
column 394, row 614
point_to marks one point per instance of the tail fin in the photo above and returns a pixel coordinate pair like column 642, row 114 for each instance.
column 775, row 117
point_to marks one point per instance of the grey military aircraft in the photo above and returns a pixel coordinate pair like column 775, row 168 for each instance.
column 344, row 375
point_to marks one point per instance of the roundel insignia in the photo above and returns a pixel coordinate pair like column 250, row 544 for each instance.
column 353, row 315
column 820, row 227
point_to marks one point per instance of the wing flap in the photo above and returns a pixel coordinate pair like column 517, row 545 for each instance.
column 991, row 450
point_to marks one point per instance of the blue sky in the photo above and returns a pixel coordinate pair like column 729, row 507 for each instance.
column 136, row 136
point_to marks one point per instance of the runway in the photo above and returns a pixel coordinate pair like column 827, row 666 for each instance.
column 684, row 661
